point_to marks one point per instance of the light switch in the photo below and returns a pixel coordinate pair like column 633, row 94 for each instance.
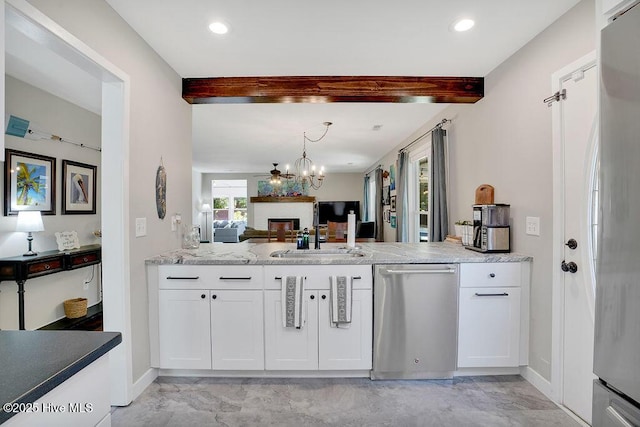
column 533, row 225
column 141, row 227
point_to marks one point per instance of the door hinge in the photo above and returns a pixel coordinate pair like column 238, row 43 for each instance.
column 558, row 96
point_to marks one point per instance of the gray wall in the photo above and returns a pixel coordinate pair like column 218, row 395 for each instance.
column 45, row 295
column 160, row 128
column 505, row 140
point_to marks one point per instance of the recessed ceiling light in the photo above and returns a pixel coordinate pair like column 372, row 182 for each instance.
column 463, row 24
column 218, row 28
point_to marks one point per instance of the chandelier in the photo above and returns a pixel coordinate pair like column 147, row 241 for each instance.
column 306, row 173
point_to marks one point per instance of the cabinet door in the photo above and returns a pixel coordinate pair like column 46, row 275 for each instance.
column 290, row 348
column 237, row 330
column 488, row 329
column 346, row 348
column 184, row 325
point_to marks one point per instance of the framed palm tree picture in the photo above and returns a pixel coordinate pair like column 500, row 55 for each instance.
column 30, row 183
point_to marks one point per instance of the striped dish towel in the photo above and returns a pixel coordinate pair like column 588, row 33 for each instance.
column 341, row 301
column 292, row 309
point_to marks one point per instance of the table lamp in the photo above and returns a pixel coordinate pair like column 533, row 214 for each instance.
column 29, row 222
column 206, row 208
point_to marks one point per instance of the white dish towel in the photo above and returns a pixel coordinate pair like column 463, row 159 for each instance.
column 292, row 302
column 341, row 301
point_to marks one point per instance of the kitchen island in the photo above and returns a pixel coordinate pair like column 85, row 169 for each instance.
column 218, row 309
column 55, row 377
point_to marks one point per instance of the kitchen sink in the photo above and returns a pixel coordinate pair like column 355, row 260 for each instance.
column 318, row 253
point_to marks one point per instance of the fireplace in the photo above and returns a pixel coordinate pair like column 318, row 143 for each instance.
column 296, row 221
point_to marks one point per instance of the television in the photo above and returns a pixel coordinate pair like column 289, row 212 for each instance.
column 337, row 211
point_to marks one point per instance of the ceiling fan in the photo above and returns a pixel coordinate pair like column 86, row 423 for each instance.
column 276, row 175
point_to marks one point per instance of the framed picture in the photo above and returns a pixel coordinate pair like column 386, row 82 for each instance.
column 393, row 203
column 29, row 183
column 386, row 215
column 393, row 221
column 78, row 188
column 386, row 195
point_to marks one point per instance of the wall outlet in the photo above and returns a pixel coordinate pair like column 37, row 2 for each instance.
column 533, row 225
column 174, row 223
column 141, row 227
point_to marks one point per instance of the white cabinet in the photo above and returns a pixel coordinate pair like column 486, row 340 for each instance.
column 346, row 348
column 210, row 317
column 185, row 337
column 318, row 344
column 290, row 348
column 490, row 313
column 236, row 330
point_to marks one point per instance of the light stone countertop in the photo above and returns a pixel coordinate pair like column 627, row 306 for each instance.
column 374, row 253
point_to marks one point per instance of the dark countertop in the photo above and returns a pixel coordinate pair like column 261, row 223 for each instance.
column 32, row 363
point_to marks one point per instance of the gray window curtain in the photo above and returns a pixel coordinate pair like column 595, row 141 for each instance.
column 366, row 199
column 438, row 218
column 378, row 197
column 402, row 198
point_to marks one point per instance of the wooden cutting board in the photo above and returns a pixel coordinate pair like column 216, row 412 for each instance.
column 484, row 195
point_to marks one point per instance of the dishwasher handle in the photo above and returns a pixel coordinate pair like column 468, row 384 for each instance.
column 417, row 271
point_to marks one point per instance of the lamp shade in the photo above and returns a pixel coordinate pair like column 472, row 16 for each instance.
column 206, row 207
column 29, row 221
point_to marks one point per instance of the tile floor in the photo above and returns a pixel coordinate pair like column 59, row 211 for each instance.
column 463, row 401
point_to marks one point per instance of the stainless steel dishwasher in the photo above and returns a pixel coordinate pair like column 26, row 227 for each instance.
column 415, row 308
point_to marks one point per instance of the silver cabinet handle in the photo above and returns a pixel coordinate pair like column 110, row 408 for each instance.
column 442, row 271
column 183, row 278
column 504, row 294
column 235, row 278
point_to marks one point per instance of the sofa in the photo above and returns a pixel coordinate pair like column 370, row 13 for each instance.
column 228, row 231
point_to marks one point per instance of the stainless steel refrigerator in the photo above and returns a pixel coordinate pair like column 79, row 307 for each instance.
column 616, row 396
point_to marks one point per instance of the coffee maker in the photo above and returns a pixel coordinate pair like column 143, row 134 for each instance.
column 491, row 231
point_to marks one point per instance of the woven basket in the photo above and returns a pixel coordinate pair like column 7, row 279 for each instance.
column 76, row 307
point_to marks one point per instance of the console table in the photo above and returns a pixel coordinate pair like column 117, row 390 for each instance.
column 20, row 268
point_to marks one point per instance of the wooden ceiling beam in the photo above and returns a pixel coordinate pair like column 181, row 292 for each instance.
column 323, row 89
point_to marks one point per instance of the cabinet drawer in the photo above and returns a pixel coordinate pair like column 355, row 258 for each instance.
column 45, row 266
column 210, row 277
column 318, row 275
column 496, row 274
column 81, row 260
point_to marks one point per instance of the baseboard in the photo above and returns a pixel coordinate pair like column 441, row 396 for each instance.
column 539, row 382
column 143, row 382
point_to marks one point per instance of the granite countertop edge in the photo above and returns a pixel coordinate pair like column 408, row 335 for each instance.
column 374, row 253
column 58, row 375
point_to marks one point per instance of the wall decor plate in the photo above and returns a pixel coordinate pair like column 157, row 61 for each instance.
column 161, row 192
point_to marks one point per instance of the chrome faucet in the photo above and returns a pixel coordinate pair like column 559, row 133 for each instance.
column 316, row 225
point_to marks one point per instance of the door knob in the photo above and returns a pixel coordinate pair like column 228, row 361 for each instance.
column 570, row 266
column 572, row 243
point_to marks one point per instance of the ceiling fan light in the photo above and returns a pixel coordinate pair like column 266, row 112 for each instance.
column 218, row 28
column 464, row 24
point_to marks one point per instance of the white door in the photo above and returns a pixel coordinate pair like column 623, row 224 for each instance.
column 185, row 338
column 351, row 347
column 290, row 348
column 237, row 330
column 573, row 178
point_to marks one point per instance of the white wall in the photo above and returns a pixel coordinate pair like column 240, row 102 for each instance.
column 339, row 186
column 44, row 296
column 160, row 130
column 505, row 140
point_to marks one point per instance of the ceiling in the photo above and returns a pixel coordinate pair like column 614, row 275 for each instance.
column 299, row 38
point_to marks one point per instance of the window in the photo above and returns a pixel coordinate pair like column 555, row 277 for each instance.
column 229, row 199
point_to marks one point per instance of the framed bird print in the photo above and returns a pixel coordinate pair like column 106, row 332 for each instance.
column 30, row 183
column 78, row 188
